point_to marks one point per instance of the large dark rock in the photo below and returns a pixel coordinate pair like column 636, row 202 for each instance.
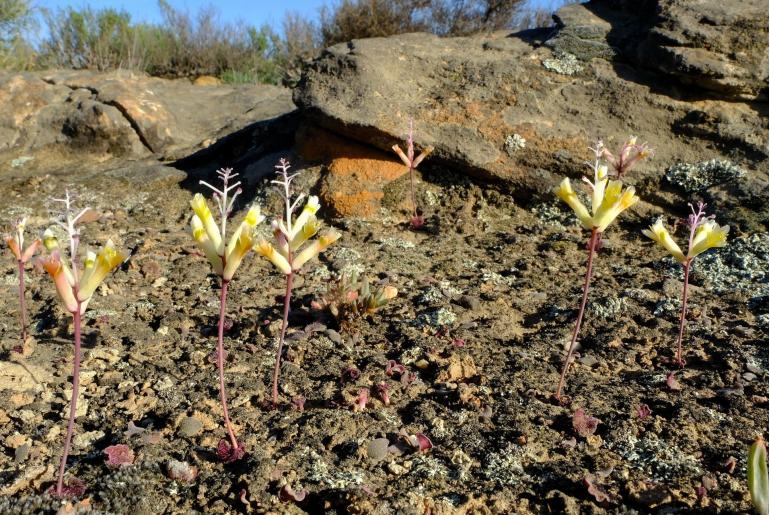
column 504, row 109
column 718, row 48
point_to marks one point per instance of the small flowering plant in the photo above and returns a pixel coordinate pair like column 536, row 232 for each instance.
column 608, row 200
column 292, row 246
column 630, row 154
column 412, row 162
column 75, row 285
column 15, row 243
column 225, row 258
column 705, row 234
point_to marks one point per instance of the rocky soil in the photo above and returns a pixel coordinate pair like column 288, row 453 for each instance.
column 488, row 291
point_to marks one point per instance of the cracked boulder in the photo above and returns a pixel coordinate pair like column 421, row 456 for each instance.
column 494, row 109
column 716, row 48
column 121, row 115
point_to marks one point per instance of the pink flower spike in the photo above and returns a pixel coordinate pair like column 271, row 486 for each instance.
column 118, row 456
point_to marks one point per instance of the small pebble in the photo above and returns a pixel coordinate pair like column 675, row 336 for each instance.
column 190, row 426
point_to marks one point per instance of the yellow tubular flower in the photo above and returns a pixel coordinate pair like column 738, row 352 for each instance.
column 707, row 236
column 315, row 248
column 50, row 242
column 62, row 281
column 613, row 204
column 252, row 218
column 600, row 184
column 90, row 260
column 311, row 208
column 658, row 233
column 567, row 194
column 205, row 244
column 305, row 233
column 242, row 245
column 108, row 259
column 203, row 212
column 265, row 249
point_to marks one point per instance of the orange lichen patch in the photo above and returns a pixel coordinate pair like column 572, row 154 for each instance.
column 355, row 173
column 362, row 204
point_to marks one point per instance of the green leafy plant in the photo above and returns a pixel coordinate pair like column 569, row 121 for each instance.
column 608, row 200
column 22, row 255
column 348, row 296
column 293, row 246
column 705, row 234
column 75, row 285
column 757, row 476
column 225, row 260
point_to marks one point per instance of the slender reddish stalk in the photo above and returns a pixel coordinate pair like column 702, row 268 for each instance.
column 414, row 199
column 682, row 316
column 595, row 235
column 73, row 403
column 22, row 302
column 286, row 302
column 221, row 363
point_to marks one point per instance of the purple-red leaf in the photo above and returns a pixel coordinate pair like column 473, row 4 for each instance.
column 589, row 480
column 226, row 453
column 72, row 488
column 643, row 412
column 287, row 494
column 584, row 425
column 118, row 456
column 672, row 383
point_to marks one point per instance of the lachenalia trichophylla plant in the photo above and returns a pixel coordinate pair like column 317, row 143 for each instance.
column 292, row 247
column 608, row 200
column 705, row 234
column 15, row 242
column 75, row 283
column 225, row 260
column 411, row 162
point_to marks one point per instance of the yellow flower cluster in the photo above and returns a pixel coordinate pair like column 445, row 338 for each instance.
column 77, row 291
column 707, row 235
column 288, row 254
column 224, row 259
column 607, row 202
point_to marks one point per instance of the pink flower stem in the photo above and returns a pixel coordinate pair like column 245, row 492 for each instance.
column 679, row 359
column 411, row 184
column 73, row 402
column 286, row 302
column 221, row 363
column 22, row 302
column 595, row 236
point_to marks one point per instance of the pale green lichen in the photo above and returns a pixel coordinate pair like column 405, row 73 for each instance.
column 694, row 177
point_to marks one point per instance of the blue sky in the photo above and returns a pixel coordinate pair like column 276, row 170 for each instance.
column 252, row 12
